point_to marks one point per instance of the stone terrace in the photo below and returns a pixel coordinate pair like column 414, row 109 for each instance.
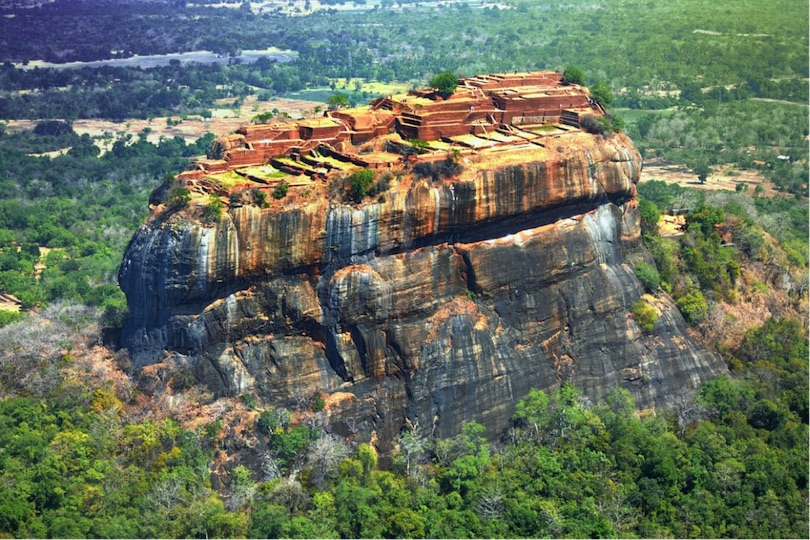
column 501, row 110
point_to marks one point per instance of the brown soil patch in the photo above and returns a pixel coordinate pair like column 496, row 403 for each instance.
column 9, row 302
column 39, row 266
column 671, row 225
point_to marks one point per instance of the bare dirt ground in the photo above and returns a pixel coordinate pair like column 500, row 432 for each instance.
column 725, row 177
column 9, row 302
column 671, row 225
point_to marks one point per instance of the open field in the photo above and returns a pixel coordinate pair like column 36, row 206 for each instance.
column 224, row 120
column 631, row 116
column 720, row 178
column 155, row 60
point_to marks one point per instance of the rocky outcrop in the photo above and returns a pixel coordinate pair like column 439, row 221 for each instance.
column 438, row 303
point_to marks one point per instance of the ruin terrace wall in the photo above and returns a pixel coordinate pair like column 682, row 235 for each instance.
column 506, row 98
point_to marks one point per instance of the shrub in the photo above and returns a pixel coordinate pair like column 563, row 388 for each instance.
column 702, row 171
column 616, row 122
column 281, row 190
column 10, row 317
column 359, row 184
column 179, row 197
column 445, row 82
column 749, row 240
column 263, row 118
column 115, row 313
column 382, row 184
column 693, row 306
column 53, row 128
column 574, row 75
column 249, row 400
column 213, row 208
column 706, row 217
column 337, row 101
column 644, row 314
column 269, row 421
column 601, row 93
column 650, row 215
column 648, row 276
column 259, row 197
column 446, row 168
column 592, row 125
column 318, row 403
column 216, row 150
column 418, row 144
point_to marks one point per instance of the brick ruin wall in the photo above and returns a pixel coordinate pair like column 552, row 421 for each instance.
column 479, row 104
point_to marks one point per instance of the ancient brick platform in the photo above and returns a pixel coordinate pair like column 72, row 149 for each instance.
column 484, row 113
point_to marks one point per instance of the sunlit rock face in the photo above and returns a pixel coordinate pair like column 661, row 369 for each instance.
column 437, row 303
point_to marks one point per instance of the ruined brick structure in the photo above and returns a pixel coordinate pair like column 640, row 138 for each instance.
column 484, row 111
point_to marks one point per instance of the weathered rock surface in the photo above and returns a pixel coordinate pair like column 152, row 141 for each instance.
column 445, row 302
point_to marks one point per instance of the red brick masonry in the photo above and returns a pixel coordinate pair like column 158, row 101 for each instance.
column 506, row 103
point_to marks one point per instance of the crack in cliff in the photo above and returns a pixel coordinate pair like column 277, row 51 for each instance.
column 469, row 271
column 504, row 226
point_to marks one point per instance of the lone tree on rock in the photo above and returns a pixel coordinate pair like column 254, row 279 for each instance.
column 337, row 101
column 601, row 93
column 445, row 82
column 359, row 184
column 574, row 75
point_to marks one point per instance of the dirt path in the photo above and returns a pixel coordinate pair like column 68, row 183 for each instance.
column 782, row 101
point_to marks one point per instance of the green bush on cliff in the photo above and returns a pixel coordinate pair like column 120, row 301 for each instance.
column 179, row 197
column 574, row 75
column 601, row 92
column 648, row 276
column 644, row 314
column 359, row 184
column 213, row 208
column 650, row 215
column 693, row 306
column 592, row 124
column 280, row 192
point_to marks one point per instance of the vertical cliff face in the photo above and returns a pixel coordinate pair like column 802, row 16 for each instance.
column 440, row 303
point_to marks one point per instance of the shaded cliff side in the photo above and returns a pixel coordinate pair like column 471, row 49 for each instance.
column 440, row 302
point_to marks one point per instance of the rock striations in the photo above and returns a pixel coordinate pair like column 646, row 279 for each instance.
column 496, row 257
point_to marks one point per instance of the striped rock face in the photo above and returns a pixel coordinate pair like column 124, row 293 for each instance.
column 434, row 303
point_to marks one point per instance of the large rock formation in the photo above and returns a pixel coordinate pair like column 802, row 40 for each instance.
column 439, row 301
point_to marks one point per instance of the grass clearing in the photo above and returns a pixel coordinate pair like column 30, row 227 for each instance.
column 631, row 116
column 228, row 179
column 368, row 90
